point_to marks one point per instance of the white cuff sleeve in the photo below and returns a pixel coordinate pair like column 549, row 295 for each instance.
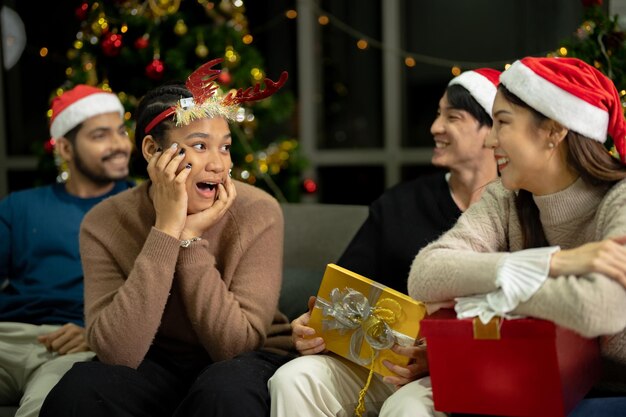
column 519, row 275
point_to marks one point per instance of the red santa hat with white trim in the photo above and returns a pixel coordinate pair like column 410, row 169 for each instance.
column 79, row 104
column 482, row 84
column 573, row 93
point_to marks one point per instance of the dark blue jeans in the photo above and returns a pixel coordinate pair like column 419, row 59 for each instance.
column 588, row 407
column 600, row 407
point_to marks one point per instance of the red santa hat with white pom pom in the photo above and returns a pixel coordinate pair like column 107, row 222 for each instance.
column 79, row 104
column 482, row 84
column 573, row 93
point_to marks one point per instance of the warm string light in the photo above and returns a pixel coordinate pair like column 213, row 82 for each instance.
column 364, row 42
column 259, row 160
column 162, row 7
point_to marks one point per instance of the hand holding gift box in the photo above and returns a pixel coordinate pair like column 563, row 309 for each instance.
column 361, row 319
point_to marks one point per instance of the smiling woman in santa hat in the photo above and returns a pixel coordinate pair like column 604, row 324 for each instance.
column 554, row 225
column 182, row 274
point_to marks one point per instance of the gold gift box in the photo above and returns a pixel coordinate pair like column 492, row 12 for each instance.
column 360, row 318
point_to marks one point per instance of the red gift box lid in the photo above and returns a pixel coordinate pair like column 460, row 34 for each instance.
column 515, row 328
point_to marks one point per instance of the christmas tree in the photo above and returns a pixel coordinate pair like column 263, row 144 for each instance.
column 131, row 46
column 599, row 41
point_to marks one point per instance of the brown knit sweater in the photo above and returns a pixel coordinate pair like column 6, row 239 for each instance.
column 463, row 262
column 218, row 296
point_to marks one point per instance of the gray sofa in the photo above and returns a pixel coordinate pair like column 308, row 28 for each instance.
column 7, row 411
column 315, row 235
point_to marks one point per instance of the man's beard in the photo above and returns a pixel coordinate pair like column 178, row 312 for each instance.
column 96, row 178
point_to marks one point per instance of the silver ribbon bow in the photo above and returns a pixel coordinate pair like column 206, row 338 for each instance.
column 350, row 310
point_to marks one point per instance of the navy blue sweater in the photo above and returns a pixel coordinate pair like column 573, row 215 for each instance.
column 40, row 269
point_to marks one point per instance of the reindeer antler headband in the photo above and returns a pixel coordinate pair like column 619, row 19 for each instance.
column 205, row 103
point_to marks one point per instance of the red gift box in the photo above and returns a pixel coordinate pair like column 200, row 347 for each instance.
column 521, row 367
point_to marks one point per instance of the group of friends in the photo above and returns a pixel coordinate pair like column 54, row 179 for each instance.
column 160, row 299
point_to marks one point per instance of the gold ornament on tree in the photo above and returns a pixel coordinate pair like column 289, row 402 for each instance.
column 89, row 67
column 100, row 25
column 163, row 7
column 180, row 28
column 226, row 6
column 231, row 57
column 201, row 49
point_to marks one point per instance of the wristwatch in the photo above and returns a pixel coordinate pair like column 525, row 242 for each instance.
column 185, row 243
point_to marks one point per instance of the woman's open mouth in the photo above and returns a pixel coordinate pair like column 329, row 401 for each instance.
column 207, row 189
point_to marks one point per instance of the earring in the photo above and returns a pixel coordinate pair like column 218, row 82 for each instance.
column 550, row 145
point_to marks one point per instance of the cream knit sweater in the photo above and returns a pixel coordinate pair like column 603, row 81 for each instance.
column 218, row 296
column 463, row 261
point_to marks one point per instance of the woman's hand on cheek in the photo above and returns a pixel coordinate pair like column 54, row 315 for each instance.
column 199, row 222
column 168, row 192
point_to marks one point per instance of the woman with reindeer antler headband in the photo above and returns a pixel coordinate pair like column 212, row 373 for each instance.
column 182, row 273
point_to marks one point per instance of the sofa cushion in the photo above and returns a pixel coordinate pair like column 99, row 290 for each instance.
column 7, row 411
column 315, row 235
column 298, row 285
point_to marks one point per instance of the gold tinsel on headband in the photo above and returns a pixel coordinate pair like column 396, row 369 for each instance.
column 212, row 107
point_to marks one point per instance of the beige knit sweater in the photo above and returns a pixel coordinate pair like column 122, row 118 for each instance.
column 463, row 261
column 219, row 295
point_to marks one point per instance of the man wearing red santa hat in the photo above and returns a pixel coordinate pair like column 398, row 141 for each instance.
column 41, row 301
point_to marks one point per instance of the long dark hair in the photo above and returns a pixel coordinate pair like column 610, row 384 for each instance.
column 461, row 99
column 151, row 105
column 587, row 157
